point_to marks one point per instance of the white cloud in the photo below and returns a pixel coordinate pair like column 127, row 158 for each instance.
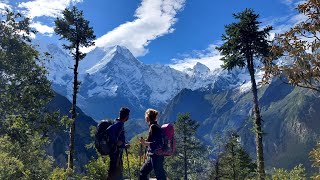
column 4, row 5
column 292, row 3
column 155, row 18
column 52, row 8
column 43, row 29
column 287, row 2
column 209, row 57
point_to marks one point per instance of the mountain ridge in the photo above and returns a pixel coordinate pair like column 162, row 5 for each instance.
column 114, row 73
column 290, row 119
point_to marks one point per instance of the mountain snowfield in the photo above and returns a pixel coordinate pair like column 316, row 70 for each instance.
column 112, row 77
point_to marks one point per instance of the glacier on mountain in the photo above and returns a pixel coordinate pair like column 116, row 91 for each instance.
column 114, row 76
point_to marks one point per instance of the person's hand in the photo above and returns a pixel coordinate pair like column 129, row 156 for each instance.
column 142, row 141
column 127, row 146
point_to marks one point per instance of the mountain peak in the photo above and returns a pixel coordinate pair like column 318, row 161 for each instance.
column 200, row 69
column 121, row 49
column 115, row 54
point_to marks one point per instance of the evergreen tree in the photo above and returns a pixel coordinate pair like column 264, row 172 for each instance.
column 75, row 29
column 299, row 48
column 243, row 44
column 217, row 151
column 233, row 162
column 188, row 161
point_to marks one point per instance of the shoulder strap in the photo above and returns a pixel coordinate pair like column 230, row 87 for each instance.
column 155, row 125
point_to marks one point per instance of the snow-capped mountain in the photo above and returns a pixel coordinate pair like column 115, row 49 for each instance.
column 112, row 77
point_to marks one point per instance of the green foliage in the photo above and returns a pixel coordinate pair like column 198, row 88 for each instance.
column 134, row 161
column 75, row 29
column 243, row 40
column 98, row 169
column 58, row 173
column 11, row 167
column 24, row 93
column 61, row 173
column 191, row 156
column 24, row 88
column 297, row 173
column 315, row 158
column 24, row 159
column 233, row 162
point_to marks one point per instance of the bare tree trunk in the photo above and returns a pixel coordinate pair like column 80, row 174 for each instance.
column 233, row 163
column 185, row 159
column 73, row 111
column 257, row 122
column 217, row 169
column 217, row 164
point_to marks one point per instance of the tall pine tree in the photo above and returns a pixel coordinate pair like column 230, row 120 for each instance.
column 243, row 44
column 75, row 29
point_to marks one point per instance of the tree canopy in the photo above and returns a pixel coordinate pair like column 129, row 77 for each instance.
column 296, row 53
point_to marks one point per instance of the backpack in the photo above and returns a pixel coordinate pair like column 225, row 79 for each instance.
column 168, row 146
column 102, row 141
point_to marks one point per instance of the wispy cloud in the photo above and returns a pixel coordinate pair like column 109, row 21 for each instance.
column 284, row 23
column 52, row 8
column 287, row 2
column 43, row 29
column 44, row 8
column 4, row 5
column 209, row 57
column 153, row 19
column 292, row 3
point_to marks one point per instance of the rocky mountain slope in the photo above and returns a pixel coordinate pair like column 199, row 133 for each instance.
column 112, row 77
column 60, row 140
column 290, row 119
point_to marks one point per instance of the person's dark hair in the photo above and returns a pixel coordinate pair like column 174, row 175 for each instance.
column 124, row 112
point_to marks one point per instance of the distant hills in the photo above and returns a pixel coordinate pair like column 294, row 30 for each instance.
column 290, row 119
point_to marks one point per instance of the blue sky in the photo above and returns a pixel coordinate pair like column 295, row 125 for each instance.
column 160, row 31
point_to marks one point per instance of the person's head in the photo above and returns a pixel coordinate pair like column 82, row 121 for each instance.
column 151, row 115
column 124, row 114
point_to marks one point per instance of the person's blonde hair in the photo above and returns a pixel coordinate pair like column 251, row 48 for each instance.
column 152, row 114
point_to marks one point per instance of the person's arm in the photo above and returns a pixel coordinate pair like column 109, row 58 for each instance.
column 120, row 136
column 144, row 142
column 152, row 129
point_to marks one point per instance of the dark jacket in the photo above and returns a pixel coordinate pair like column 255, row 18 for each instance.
column 154, row 137
column 116, row 133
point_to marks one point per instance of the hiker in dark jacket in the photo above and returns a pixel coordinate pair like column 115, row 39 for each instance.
column 153, row 142
column 117, row 136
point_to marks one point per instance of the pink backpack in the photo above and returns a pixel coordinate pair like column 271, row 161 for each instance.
column 168, row 146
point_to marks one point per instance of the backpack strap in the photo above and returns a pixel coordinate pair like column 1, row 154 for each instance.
column 152, row 125
column 157, row 139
